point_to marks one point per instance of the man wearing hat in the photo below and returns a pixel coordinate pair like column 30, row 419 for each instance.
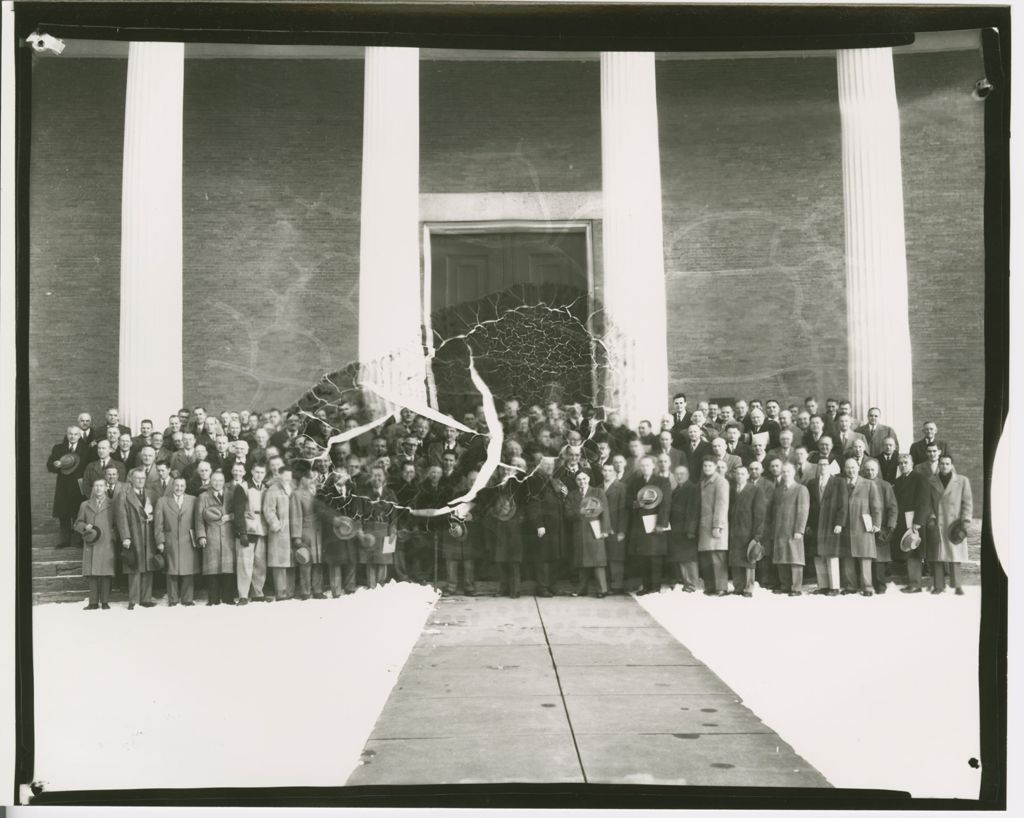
column 304, row 515
column 651, row 500
column 251, row 535
column 883, row 539
column 787, row 522
column 133, row 519
column 683, row 518
column 95, row 525
column 713, row 530
column 945, row 508
column 174, row 529
column 909, row 547
column 67, row 461
column 216, row 538
column 863, row 521
column 276, row 504
column 747, row 509
column 586, row 508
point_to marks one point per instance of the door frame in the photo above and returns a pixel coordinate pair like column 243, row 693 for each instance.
column 461, row 228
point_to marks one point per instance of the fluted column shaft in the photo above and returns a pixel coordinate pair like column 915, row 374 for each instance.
column 150, row 383
column 390, row 294
column 634, row 263
column 878, row 324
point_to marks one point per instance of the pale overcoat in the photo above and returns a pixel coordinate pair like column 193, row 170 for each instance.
column 943, row 505
column 305, row 523
column 714, row 513
column 275, row 512
column 219, row 553
column 787, row 522
column 175, row 531
column 98, row 557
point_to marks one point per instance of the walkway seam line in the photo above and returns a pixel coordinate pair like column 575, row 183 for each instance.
column 561, row 692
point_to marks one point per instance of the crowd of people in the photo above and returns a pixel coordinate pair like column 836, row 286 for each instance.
column 275, row 505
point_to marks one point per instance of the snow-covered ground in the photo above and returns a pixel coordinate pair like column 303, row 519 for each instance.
column 266, row 695
column 874, row 693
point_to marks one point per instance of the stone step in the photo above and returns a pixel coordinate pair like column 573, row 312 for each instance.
column 59, row 583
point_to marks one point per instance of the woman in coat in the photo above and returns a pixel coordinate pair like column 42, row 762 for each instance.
column 588, row 546
column 787, row 522
column 305, row 525
column 95, row 524
column 380, row 527
column 652, row 545
column 683, row 518
column 215, row 536
column 946, row 498
column 174, row 528
column 883, row 539
column 279, row 543
column 857, row 543
column 713, row 529
column 503, row 529
column 747, row 510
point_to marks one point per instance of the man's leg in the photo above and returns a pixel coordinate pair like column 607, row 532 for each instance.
column 228, row 584
column 654, row 573
column 94, row 591
column 880, row 576
column 104, row 590
column 865, row 572
column 134, row 588
column 602, row 580
column 280, row 579
column 938, row 576
column 302, row 580
column 720, row 570
column 188, row 590
column 317, row 577
column 172, row 590
column 212, row 589
column 349, row 574
column 796, row 579
column 451, row 574
column 954, row 574
column 334, row 579
column 617, row 572
column 542, row 572
column 146, row 586
column 848, row 565
column 514, row 578
column 243, row 569
column 468, row 570
column 913, row 572
column 259, row 567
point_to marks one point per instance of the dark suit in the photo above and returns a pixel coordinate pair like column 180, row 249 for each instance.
column 918, row 450
column 769, row 426
column 94, row 471
column 694, row 457
column 679, row 427
column 888, row 467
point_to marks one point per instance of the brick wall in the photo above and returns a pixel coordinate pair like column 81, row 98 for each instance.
column 752, row 194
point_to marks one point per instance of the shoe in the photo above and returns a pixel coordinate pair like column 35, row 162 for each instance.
column 148, row 604
column 938, row 590
column 831, row 592
column 880, row 589
column 796, row 593
column 188, row 604
column 778, row 590
column 319, row 596
column 266, row 599
column 131, row 606
column 867, row 592
column 910, row 590
column 544, row 592
column 92, row 606
column 242, row 601
column 959, row 592
column 747, row 594
column 302, row 597
column 514, row 596
column 105, row 606
column 171, row 604
column 690, row 589
column 846, row 591
column 600, row 594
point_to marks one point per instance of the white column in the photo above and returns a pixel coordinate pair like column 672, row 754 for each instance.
column 390, row 320
column 634, row 263
column 150, row 365
column 878, row 324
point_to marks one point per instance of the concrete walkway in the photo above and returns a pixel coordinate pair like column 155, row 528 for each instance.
column 566, row 690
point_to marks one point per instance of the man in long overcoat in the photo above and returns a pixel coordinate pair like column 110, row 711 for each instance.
column 67, row 494
column 829, row 505
column 713, row 529
column 787, row 522
column 304, row 514
column 340, row 555
column 906, row 487
column 544, row 523
column 649, row 541
column 747, row 511
column 174, row 529
column 883, row 539
column 683, row 518
column 96, row 514
column 503, row 517
column 215, row 536
column 863, row 521
column 615, row 542
column 588, row 545
column 276, row 504
column 380, row 525
column 133, row 518
column 250, row 534
column 945, row 498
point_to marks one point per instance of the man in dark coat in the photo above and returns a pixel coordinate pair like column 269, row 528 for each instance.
column 684, row 517
column 67, row 494
column 545, row 524
column 906, row 487
column 649, row 540
column 694, row 449
column 919, row 449
column 747, row 510
column 681, row 420
column 888, row 460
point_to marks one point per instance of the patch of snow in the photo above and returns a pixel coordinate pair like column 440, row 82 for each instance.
column 877, row 692
column 274, row 694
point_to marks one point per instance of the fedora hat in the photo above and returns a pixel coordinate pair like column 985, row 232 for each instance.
column 130, row 558
column 504, row 509
column 90, row 536
column 302, row 555
column 160, row 561
column 910, row 540
column 344, row 527
column 755, row 551
column 957, row 532
column 69, row 462
column 591, row 508
column 456, row 529
column 213, row 514
column 649, row 497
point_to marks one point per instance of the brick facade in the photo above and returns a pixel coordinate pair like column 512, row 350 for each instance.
column 752, row 193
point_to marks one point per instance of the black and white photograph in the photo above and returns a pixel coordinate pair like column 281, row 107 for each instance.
column 577, row 410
